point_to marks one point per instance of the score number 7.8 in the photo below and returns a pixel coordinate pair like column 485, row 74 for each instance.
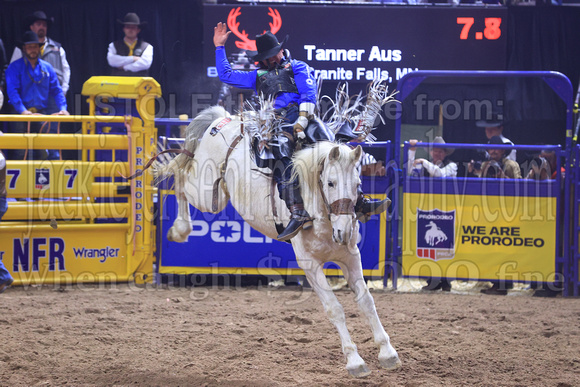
column 491, row 31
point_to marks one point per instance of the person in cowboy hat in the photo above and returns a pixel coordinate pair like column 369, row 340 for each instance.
column 29, row 83
column 499, row 164
column 130, row 56
column 439, row 166
column 292, row 85
column 52, row 52
column 494, row 127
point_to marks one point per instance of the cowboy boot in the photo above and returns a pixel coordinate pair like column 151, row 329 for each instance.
column 299, row 219
column 365, row 207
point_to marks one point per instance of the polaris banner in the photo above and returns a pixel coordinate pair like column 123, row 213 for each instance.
column 225, row 244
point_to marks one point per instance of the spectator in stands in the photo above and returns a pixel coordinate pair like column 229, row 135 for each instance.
column 539, row 169
column 498, row 165
column 29, row 83
column 130, row 56
column 439, row 166
column 5, row 277
column 501, row 167
column 494, row 127
column 370, row 166
column 545, row 166
column 52, row 52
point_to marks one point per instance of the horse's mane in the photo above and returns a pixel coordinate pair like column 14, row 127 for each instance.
column 307, row 162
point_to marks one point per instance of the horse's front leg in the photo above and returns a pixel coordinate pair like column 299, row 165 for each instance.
column 181, row 228
column 388, row 357
column 355, row 365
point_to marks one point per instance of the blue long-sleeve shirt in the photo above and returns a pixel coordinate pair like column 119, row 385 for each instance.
column 29, row 87
column 303, row 76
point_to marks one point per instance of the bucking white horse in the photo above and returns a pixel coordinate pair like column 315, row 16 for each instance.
column 218, row 168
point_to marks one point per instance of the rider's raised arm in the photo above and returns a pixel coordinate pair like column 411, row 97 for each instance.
column 240, row 79
column 236, row 78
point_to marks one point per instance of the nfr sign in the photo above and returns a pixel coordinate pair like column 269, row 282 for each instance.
column 26, row 250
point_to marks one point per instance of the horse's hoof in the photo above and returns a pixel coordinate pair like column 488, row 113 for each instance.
column 391, row 363
column 173, row 236
column 362, row 371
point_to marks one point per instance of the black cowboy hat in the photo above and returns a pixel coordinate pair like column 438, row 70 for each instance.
column 38, row 15
column 131, row 19
column 496, row 140
column 267, row 45
column 495, row 120
column 29, row 37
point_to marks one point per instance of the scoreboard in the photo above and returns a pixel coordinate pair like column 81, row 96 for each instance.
column 359, row 43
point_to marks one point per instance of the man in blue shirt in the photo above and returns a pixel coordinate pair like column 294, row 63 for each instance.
column 29, row 83
column 292, row 85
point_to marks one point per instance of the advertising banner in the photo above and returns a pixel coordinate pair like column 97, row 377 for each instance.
column 70, row 254
column 225, row 243
column 48, row 178
column 479, row 236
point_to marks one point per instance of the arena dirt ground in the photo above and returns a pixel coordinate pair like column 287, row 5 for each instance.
column 124, row 335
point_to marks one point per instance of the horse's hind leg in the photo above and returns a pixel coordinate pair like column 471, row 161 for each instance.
column 355, row 365
column 388, row 357
column 181, row 228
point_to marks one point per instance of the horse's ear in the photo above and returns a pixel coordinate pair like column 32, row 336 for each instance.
column 357, row 153
column 334, row 154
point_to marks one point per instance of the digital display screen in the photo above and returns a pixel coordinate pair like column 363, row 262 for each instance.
column 360, row 43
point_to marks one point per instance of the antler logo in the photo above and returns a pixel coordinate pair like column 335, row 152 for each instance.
column 246, row 43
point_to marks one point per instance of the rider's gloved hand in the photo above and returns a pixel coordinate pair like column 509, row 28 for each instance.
column 306, row 112
column 299, row 126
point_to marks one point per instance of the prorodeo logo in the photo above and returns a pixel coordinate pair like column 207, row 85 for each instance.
column 435, row 234
column 42, row 178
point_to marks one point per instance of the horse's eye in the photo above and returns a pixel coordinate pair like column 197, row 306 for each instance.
column 330, row 184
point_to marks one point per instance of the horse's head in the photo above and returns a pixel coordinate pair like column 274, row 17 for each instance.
column 339, row 181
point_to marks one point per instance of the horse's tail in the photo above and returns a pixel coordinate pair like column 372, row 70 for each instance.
column 193, row 133
column 165, row 169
